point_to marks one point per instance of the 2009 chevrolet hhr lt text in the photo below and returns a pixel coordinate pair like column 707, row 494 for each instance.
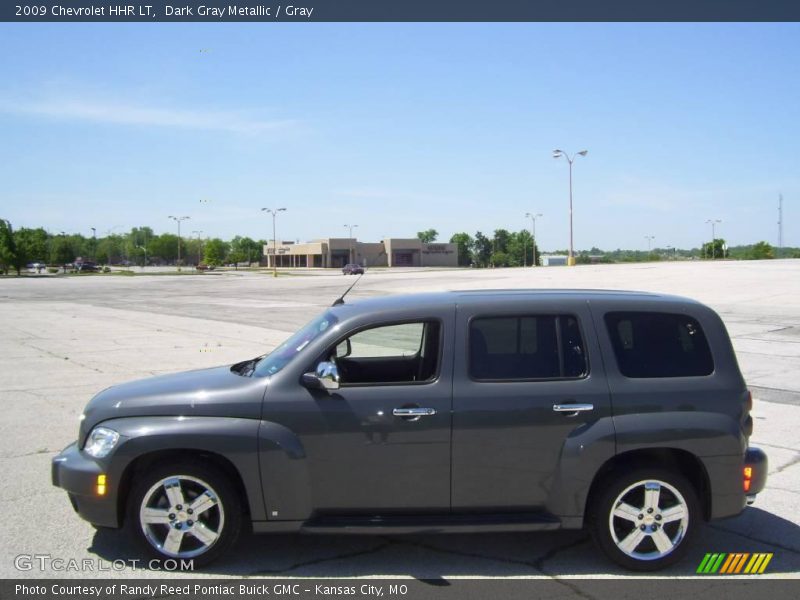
column 621, row 412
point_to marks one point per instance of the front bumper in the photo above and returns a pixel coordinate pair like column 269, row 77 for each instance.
column 76, row 473
column 756, row 460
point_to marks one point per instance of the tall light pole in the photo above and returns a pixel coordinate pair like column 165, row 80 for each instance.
column 199, row 244
column 559, row 154
column 533, row 218
column 143, row 247
column 178, row 221
column 94, row 243
column 351, row 240
column 713, row 223
column 274, row 212
column 649, row 239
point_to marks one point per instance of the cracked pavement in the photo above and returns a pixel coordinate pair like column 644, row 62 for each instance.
column 66, row 338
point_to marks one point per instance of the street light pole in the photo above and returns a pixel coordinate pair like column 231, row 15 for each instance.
column 178, row 221
column 199, row 244
column 274, row 212
column 94, row 244
column 713, row 223
column 533, row 217
column 351, row 241
column 649, row 239
column 559, row 154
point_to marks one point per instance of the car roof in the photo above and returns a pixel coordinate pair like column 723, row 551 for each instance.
column 485, row 296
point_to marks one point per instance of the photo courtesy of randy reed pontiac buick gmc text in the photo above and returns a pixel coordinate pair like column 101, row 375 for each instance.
column 621, row 412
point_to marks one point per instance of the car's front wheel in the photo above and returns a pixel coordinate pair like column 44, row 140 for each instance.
column 185, row 510
column 645, row 519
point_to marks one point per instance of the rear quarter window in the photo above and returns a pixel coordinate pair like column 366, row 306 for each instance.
column 526, row 347
column 653, row 344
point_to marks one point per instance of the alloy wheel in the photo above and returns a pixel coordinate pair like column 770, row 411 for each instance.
column 181, row 516
column 648, row 520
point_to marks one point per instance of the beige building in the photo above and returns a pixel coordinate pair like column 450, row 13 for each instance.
column 337, row 252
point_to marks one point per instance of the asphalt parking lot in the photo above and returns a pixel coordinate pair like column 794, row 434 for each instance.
column 66, row 338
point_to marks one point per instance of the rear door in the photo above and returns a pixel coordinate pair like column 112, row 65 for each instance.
column 528, row 378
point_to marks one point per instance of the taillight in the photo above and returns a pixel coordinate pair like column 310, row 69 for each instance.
column 748, row 478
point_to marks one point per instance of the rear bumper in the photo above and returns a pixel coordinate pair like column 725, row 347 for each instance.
column 76, row 474
column 756, row 460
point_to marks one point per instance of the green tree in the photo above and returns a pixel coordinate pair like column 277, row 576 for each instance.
column 215, row 252
column 61, row 251
column 500, row 259
column 164, row 248
column 244, row 249
column 501, row 240
column 8, row 247
column 520, row 249
column 31, row 245
column 714, row 249
column 761, row 251
column 464, row 242
column 482, row 249
column 427, row 236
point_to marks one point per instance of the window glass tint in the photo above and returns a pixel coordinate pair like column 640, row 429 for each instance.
column 392, row 340
column 526, row 347
column 396, row 354
column 649, row 344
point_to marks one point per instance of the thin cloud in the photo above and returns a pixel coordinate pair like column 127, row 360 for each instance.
column 117, row 113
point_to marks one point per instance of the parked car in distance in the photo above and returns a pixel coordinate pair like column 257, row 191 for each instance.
column 624, row 413
column 85, row 266
column 352, row 269
column 205, row 267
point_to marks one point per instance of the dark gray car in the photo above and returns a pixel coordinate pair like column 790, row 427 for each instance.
column 622, row 412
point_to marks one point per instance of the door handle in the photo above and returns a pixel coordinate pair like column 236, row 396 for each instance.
column 414, row 412
column 572, row 409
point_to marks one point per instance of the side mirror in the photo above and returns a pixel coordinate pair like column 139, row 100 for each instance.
column 326, row 377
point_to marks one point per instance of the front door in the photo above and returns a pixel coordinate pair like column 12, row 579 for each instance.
column 521, row 370
column 380, row 444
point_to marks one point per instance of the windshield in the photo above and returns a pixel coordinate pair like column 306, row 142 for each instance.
column 280, row 357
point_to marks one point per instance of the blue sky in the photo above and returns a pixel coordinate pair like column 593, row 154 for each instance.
column 403, row 127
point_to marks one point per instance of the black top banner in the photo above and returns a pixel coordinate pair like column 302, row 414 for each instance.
column 304, row 11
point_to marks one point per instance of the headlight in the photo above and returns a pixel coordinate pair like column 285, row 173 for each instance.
column 100, row 442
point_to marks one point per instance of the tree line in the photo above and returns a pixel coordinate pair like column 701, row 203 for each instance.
column 139, row 246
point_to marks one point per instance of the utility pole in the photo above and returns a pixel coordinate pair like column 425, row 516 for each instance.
column 199, row 244
column 559, row 154
column 274, row 212
column 533, row 217
column 178, row 221
column 780, row 225
column 713, row 223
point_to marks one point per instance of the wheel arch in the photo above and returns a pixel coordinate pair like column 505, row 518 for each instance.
column 143, row 462
column 681, row 461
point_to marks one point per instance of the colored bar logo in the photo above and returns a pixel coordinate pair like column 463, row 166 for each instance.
column 736, row 563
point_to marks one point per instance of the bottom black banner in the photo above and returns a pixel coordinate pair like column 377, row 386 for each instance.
column 396, row 589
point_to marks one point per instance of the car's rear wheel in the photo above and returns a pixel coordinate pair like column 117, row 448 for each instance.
column 645, row 520
column 185, row 510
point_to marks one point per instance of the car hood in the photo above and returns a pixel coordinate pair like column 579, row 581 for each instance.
column 216, row 392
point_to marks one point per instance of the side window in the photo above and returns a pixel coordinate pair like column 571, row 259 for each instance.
column 392, row 340
column 649, row 344
column 401, row 353
column 526, row 347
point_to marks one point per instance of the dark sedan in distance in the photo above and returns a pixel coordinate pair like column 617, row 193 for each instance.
column 352, row 269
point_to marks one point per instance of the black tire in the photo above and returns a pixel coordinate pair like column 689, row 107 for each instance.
column 221, row 518
column 630, row 489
